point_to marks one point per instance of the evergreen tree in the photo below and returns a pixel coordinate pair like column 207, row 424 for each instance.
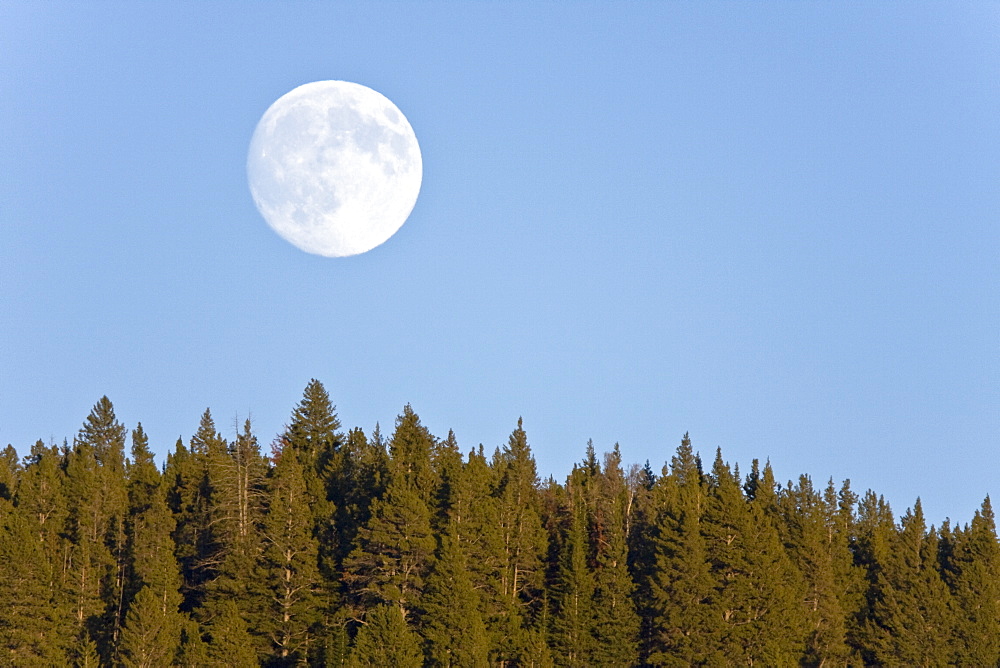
column 361, row 480
column 290, row 562
column 912, row 610
column 30, row 633
column 97, row 500
column 141, row 473
column 385, row 639
column 679, row 589
column 572, row 623
column 196, row 476
column 870, row 547
column 615, row 621
column 314, row 438
column 514, row 587
column 231, row 643
column 9, row 471
column 453, row 625
column 449, row 471
column 972, row 570
column 395, row 549
column 820, row 551
column 411, row 450
column 238, row 511
column 756, row 588
column 152, row 630
column 193, row 652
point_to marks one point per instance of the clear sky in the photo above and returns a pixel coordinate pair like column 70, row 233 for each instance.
column 774, row 225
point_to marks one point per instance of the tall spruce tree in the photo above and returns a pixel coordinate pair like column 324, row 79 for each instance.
column 152, row 632
column 313, row 436
column 514, row 588
column 31, row 613
column 290, row 563
column 238, row 510
column 195, row 475
column 972, row 571
column 615, row 621
column 452, row 623
column 873, row 535
column 912, row 611
column 757, row 591
column 395, row 549
column 677, row 583
column 97, row 499
column 361, row 479
column 231, row 642
column 573, row 590
column 385, row 639
column 38, row 603
column 821, row 553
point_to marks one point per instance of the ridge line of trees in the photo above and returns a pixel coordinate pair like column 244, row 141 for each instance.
column 346, row 549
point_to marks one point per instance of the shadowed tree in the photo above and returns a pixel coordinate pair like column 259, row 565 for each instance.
column 452, row 623
column 679, row 584
column 972, row 570
column 290, row 563
column 313, row 436
column 514, row 587
column 615, row 621
column 395, row 549
column 757, row 590
column 573, row 590
column 385, row 639
column 152, row 630
column 912, row 610
column 97, row 501
column 231, row 643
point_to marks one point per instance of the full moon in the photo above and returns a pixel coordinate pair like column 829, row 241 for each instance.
column 334, row 168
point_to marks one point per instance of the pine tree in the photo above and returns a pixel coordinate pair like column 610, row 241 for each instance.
column 453, row 625
column 756, row 588
column 97, row 499
column 873, row 534
column 616, row 623
column 411, row 449
column 314, row 438
column 238, row 511
column 573, row 621
column 195, row 476
column 9, row 471
column 448, row 467
column 385, row 639
column 152, row 630
column 30, row 633
column 193, row 652
column 678, row 586
column 514, row 587
column 290, row 562
column 912, row 610
column 231, row 643
column 141, row 473
column 394, row 550
column 821, row 553
column 972, row 570
column 361, row 480
column 40, row 605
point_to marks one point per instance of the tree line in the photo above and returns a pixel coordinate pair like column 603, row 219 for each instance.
column 347, row 549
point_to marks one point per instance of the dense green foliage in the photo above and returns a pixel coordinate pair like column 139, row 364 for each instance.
column 352, row 550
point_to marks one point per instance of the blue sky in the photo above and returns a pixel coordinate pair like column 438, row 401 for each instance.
column 772, row 225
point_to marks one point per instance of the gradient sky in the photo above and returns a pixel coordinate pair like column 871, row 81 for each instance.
column 772, row 225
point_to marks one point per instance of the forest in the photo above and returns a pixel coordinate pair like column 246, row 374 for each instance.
column 332, row 547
